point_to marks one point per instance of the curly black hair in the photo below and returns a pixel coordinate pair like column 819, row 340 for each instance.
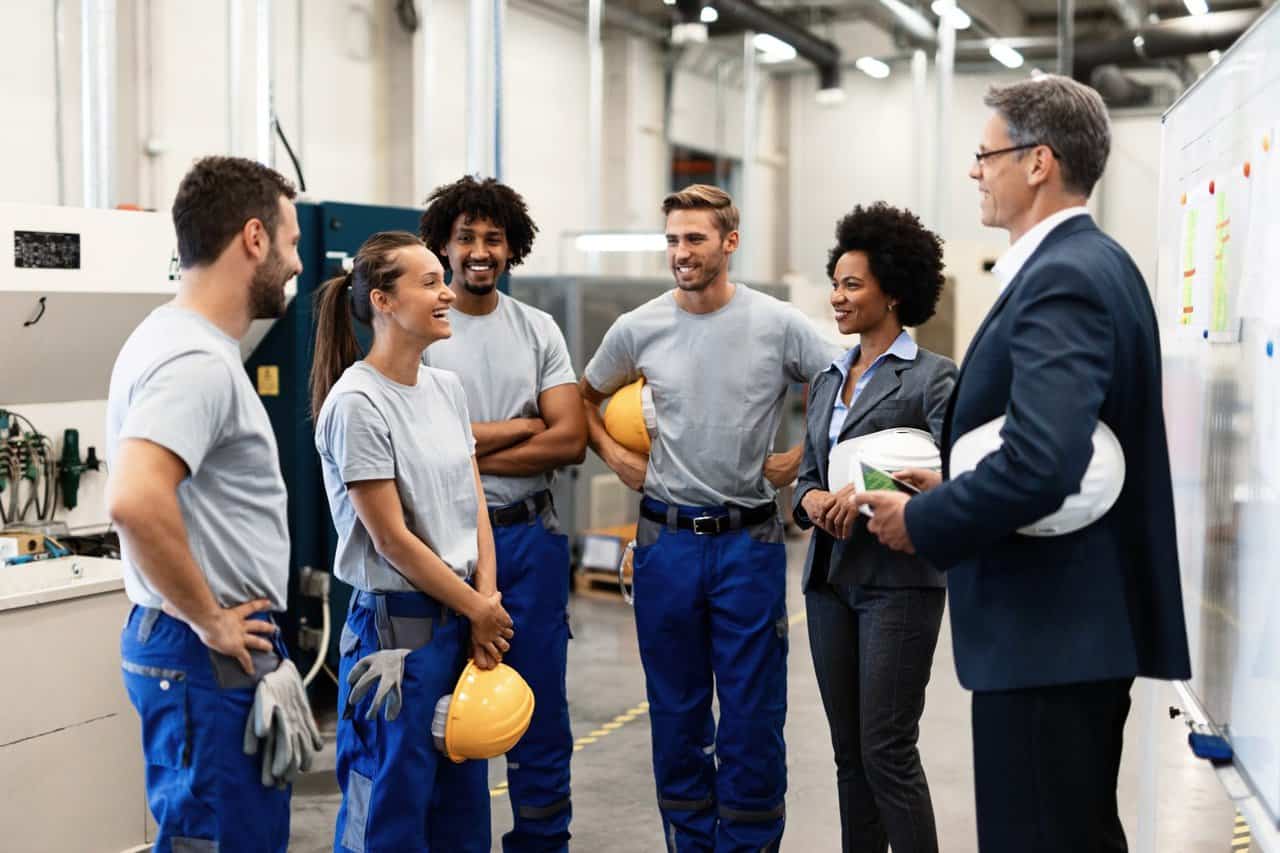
column 477, row 199
column 904, row 256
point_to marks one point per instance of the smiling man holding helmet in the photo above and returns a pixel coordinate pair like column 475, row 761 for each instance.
column 710, row 565
column 1049, row 631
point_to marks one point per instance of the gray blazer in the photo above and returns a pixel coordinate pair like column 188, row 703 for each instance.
column 900, row 394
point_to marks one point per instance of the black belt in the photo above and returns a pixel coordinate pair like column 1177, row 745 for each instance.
column 732, row 518
column 520, row 513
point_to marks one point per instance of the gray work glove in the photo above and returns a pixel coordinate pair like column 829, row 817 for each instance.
column 386, row 668
column 281, row 723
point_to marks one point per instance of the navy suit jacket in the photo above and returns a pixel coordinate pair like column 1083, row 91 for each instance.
column 1072, row 339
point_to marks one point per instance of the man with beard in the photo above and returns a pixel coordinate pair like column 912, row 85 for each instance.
column 528, row 421
column 196, row 493
column 710, row 564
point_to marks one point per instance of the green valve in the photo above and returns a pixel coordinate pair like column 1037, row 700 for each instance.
column 70, row 468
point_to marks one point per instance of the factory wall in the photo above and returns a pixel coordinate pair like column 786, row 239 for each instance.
column 362, row 134
column 873, row 148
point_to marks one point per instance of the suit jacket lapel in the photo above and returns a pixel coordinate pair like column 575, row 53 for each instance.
column 884, row 382
column 1071, row 226
column 822, row 396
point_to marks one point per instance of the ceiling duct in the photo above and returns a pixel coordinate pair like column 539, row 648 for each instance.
column 739, row 15
column 1119, row 89
column 1164, row 39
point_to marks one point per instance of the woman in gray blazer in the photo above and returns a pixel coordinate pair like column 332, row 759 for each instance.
column 874, row 613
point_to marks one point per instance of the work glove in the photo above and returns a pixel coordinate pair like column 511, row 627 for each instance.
column 385, row 667
column 281, row 726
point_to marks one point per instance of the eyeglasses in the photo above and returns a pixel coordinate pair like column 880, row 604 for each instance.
column 979, row 156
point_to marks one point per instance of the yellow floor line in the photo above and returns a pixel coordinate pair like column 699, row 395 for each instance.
column 1242, row 838
column 617, row 723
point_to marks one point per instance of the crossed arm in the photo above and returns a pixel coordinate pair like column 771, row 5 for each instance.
column 524, row 447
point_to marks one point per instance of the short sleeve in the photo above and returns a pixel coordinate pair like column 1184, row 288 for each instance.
column 614, row 363
column 807, row 353
column 183, row 405
column 556, row 368
column 358, row 440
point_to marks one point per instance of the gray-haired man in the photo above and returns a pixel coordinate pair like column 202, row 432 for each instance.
column 1049, row 632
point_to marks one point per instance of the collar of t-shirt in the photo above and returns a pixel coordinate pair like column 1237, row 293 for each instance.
column 903, row 347
column 1017, row 255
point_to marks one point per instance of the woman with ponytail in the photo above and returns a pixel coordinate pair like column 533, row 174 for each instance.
column 414, row 541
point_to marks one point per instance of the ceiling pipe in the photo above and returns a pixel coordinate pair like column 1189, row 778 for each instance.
column 740, row 15
column 1164, row 39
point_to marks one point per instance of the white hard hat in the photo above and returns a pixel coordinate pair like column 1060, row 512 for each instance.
column 889, row 449
column 1099, row 489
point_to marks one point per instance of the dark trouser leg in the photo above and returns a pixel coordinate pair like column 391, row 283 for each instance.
column 897, row 635
column 673, row 629
column 1045, row 767
column 833, row 643
column 533, row 576
column 749, row 653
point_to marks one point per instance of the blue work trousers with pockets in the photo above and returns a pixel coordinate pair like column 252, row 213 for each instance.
column 533, row 577
column 204, row 792
column 711, row 613
column 399, row 793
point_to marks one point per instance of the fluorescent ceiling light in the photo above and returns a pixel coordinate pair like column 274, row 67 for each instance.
column 709, row 15
column 689, row 32
column 952, row 14
column 773, row 49
column 872, row 67
column 620, row 242
column 1005, row 55
column 918, row 25
column 669, row 2
column 1197, row 7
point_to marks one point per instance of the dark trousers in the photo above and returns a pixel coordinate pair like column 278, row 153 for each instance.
column 1045, row 766
column 872, row 651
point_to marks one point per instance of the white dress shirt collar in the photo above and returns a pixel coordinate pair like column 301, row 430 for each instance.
column 1017, row 255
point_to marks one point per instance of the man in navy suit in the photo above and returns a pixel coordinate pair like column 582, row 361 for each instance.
column 1049, row 633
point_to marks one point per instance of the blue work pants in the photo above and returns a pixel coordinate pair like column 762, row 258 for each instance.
column 711, row 613
column 399, row 793
column 204, row 792
column 533, row 577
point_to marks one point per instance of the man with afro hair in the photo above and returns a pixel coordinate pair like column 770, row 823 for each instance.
column 528, row 421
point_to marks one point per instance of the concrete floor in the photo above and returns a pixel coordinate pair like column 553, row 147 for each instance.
column 613, row 795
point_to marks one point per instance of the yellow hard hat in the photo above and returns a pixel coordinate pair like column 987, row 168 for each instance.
column 487, row 713
column 630, row 418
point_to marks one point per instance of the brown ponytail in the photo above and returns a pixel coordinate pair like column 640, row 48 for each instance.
column 339, row 299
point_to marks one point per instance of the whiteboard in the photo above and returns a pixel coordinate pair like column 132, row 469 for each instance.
column 1218, row 300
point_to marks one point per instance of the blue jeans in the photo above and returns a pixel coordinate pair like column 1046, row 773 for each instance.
column 399, row 793
column 205, row 793
column 533, row 576
column 711, row 612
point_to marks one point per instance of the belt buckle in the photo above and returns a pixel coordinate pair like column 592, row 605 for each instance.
column 705, row 525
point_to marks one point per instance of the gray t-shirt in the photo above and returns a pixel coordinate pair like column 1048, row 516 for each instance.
column 373, row 428
column 505, row 359
column 718, row 382
column 178, row 382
